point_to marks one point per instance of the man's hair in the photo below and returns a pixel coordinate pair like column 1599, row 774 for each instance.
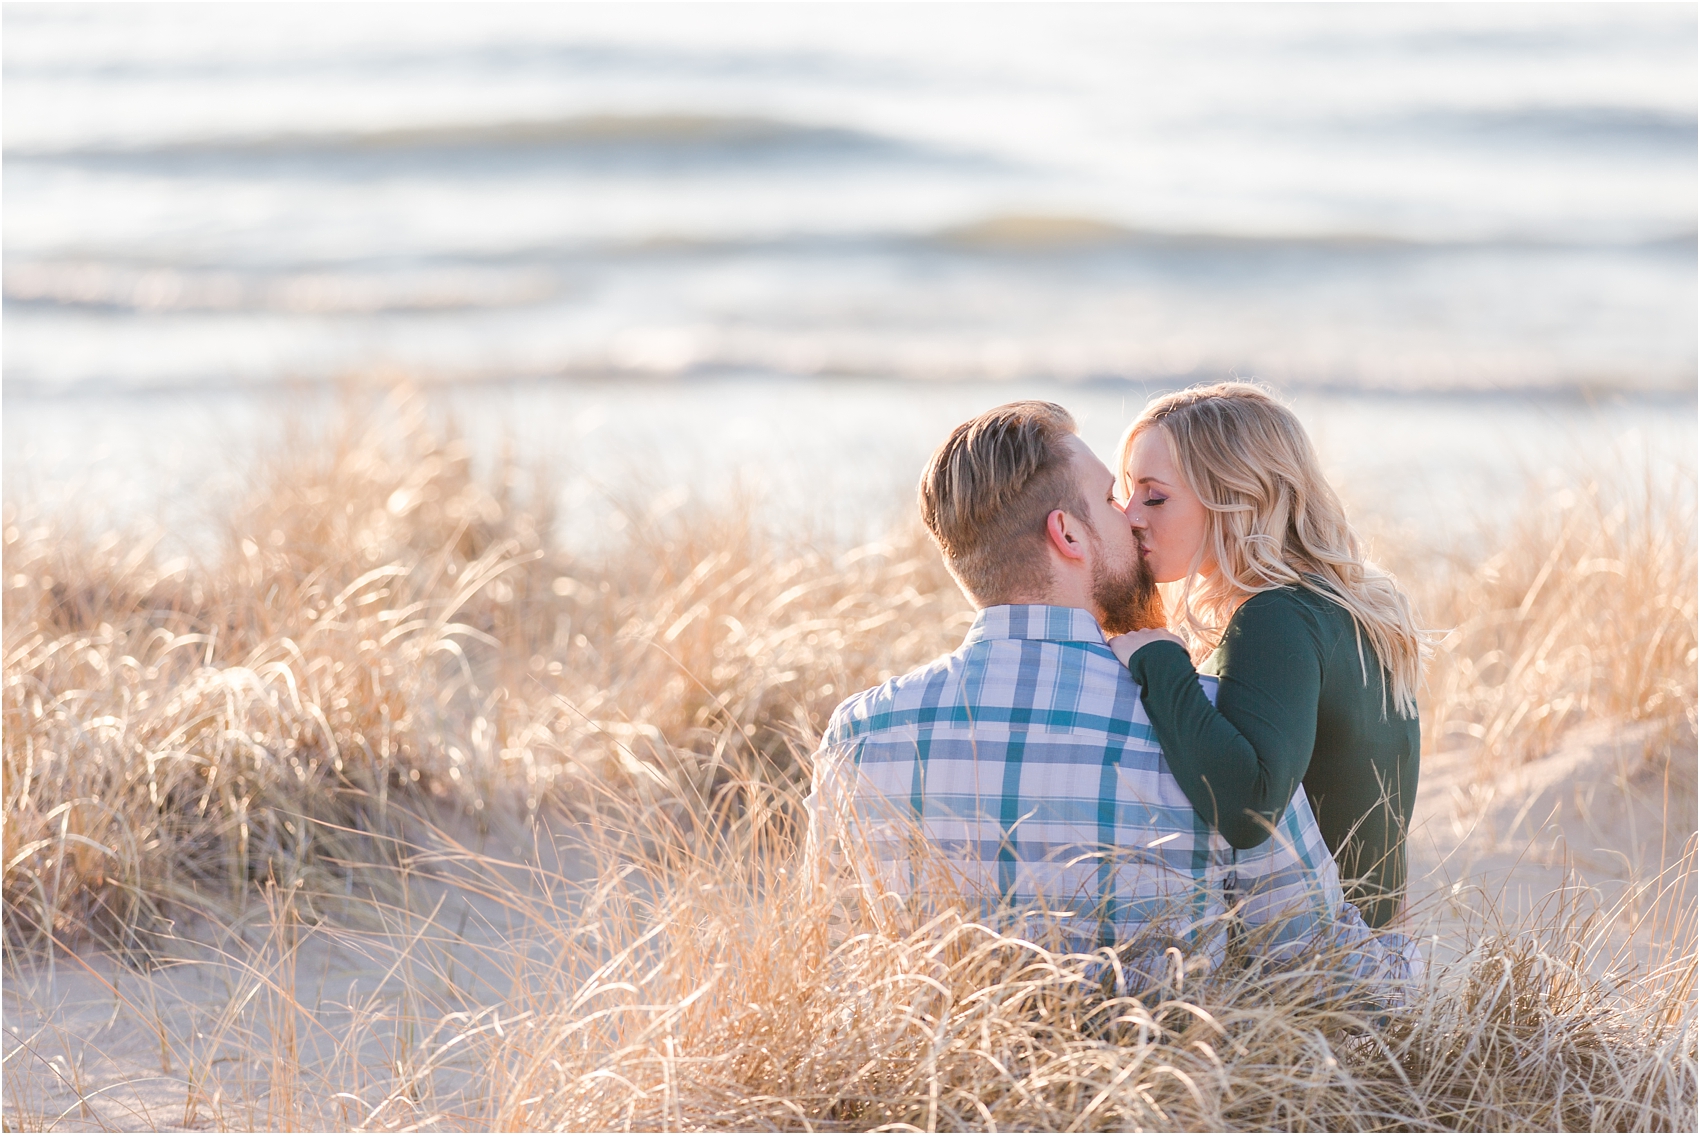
column 987, row 490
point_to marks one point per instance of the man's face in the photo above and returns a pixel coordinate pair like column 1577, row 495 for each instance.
column 1124, row 594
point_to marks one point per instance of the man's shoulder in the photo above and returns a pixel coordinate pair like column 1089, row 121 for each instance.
column 988, row 671
column 872, row 709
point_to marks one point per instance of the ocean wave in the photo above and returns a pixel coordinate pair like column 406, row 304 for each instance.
column 528, row 275
column 1026, row 233
column 1154, row 356
column 1581, row 127
column 668, row 136
column 327, row 292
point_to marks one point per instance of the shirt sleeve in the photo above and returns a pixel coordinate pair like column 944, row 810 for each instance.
column 1239, row 760
column 827, row 807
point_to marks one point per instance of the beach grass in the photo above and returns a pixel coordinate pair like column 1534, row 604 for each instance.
column 382, row 678
column 1582, row 609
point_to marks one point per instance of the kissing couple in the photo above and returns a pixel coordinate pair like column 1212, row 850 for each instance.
column 1233, row 778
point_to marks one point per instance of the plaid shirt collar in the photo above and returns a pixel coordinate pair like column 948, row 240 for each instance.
column 1035, row 621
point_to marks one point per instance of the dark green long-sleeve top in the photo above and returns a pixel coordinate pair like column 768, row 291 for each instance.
column 1294, row 706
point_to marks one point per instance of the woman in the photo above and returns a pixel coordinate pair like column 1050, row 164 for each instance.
column 1317, row 650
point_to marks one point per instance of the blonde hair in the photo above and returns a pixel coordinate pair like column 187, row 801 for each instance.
column 1274, row 522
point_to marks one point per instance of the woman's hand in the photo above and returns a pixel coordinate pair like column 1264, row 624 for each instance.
column 1125, row 644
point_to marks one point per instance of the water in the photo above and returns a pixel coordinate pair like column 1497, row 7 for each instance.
column 1353, row 197
column 790, row 247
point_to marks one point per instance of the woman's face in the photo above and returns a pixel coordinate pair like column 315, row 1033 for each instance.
column 1169, row 520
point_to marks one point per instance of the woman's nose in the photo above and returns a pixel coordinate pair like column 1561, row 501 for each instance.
column 1131, row 511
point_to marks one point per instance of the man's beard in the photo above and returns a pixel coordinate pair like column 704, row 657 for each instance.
column 1127, row 599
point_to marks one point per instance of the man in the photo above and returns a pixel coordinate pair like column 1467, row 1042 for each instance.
column 1020, row 774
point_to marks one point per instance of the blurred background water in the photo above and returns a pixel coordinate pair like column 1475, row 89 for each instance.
column 796, row 236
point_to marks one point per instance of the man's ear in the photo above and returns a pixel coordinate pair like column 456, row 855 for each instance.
column 1063, row 531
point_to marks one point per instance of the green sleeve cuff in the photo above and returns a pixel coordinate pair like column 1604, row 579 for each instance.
column 1160, row 658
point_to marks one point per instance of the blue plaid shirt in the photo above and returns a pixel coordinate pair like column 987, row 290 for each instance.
column 1020, row 772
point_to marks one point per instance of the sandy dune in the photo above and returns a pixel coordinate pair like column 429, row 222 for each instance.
column 1604, row 823
column 240, row 1025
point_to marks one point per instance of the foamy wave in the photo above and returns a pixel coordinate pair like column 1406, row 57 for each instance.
column 1157, row 353
column 340, row 292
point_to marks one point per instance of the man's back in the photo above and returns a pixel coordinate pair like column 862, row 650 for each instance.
column 1025, row 763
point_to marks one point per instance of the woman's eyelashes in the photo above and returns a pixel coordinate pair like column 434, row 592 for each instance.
column 1153, row 502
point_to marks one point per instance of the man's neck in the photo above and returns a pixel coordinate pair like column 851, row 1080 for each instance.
column 1055, row 597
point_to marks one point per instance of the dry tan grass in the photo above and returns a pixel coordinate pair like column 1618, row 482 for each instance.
column 386, row 641
column 725, row 994
column 714, row 989
column 385, row 628
column 1583, row 610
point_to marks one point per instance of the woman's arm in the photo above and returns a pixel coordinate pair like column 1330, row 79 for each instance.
column 1238, row 761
